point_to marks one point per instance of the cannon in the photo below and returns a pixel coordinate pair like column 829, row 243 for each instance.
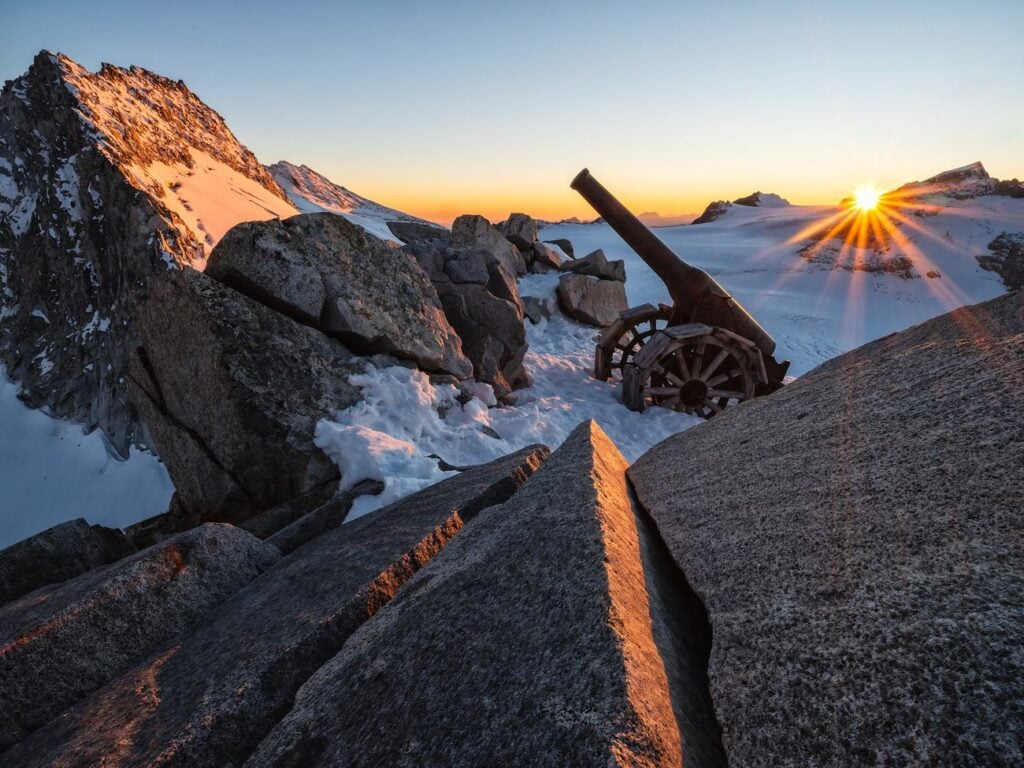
column 701, row 354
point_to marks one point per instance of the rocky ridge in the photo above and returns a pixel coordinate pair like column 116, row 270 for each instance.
column 89, row 213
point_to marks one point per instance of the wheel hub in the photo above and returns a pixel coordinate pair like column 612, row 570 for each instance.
column 693, row 392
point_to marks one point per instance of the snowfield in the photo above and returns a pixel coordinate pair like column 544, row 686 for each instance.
column 815, row 310
column 51, row 471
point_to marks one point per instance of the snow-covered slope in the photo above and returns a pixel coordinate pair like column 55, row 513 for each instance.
column 822, row 294
column 52, row 471
column 173, row 147
column 312, row 192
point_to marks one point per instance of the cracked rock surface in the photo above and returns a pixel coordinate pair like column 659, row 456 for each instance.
column 857, row 541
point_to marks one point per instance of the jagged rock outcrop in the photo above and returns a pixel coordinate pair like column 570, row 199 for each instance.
column 208, row 698
column 597, row 265
column 1006, row 259
column 565, row 245
column 855, row 538
column 762, row 200
column 232, row 403
column 715, row 210
column 481, row 301
column 57, row 554
column 413, row 232
column 107, row 180
column 63, row 642
column 549, row 618
column 965, row 183
column 591, row 300
column 324, row 271
column 471, row 232
column 545, row 257
column 719, row 208
column 520, row 230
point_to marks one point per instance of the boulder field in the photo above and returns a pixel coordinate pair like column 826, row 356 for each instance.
column 830, row 575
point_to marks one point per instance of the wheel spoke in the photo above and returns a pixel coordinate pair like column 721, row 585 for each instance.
column 713, row 406
column 698, row 356
column 719, row 358
column 721, row 378
column 674, row 379
column 681, row 364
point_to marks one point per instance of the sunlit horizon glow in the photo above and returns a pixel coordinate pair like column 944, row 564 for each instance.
column 866, row 197
column 446, row 108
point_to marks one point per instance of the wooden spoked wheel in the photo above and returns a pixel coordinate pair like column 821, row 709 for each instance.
column 702, row 376
column 621, row 342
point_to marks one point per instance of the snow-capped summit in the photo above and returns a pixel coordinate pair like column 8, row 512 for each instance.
column 964, row 183
column 762, row 200
column 312, row 192
column 107, row 179
column 720, row 208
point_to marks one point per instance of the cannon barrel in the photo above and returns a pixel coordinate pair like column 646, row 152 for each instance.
column 696, row 296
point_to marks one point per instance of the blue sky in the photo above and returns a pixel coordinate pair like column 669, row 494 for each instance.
column 445, row 107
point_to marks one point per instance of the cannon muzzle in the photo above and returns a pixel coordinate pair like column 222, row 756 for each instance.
column 696, row 296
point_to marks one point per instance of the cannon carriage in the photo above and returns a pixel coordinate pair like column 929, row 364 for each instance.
column 700, row 355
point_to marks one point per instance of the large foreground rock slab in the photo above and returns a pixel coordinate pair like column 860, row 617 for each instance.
column 57, row 554
column 209, row 698
column 535, row 638
column 325, row 271
column 230, row 391
column 61, row 643
column 858, row 540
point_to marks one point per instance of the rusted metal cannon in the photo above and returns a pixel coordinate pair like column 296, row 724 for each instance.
column 699, row 355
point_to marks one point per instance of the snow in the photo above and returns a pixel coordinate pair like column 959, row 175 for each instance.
column 312, row 192
column 814, row 311
column 210, row 197
column 403, row 421
column 51, row 471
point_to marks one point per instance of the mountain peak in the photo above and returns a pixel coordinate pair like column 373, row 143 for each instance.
column 971, row 171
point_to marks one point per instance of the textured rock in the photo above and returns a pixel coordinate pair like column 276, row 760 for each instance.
column 57, row 554
column 596, row 264
column 84, row 225
column 414, row 232
column 714, row 211
column 318, row 521
column 520, row 230
column 482, row 303
column 1006, row 259
column 546, row 256
column 208, row 699
column 545, row 619
column 536, row 309
column 60, row 643
column 270, row 521
column 373, row 298
column 591, row 300
column 472, row 232
column 268, row 266
column 231, row 391
column 565, row 245
column 856, row 538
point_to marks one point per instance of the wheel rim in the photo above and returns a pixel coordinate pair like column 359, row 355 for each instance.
column 701, row 377
column 632, row 341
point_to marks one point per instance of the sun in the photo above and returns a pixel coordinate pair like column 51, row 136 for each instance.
column 866, row 197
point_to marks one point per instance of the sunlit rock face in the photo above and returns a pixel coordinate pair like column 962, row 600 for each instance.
column 107, row 179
